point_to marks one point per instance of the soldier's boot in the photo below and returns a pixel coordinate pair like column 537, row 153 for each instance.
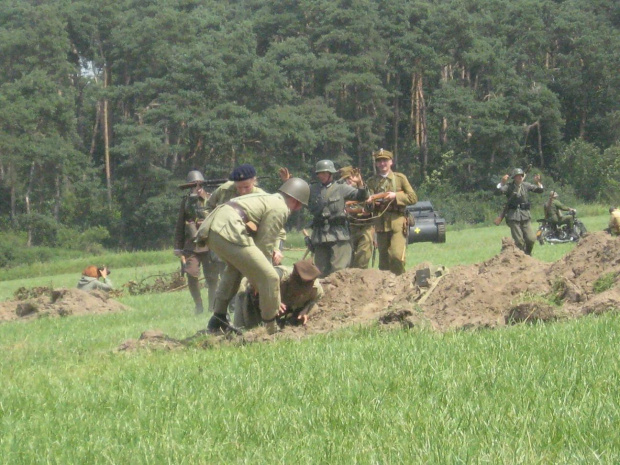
column 194, row 290
column 219, row 321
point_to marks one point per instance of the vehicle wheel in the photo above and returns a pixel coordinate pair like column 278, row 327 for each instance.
column 441, row 233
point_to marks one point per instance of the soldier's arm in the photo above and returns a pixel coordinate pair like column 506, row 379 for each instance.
column 354, row 193
column 405, row 195
column 213, row 201
column 269, row 230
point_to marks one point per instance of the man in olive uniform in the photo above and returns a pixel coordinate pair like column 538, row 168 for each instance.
column 300, row 290
column 191, row 215
column 390, row 223
column 330, row 239
column 553, row 207
column 517, row 210
column 243, row 232
column 242, row 181
column 360, row 221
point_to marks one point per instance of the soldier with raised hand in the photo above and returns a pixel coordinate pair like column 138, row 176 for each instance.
column 360, row 223
column 191, row 215
column 391, row 225
column 244, row 233
column 330, row 237
column 517, row 209
column 614, row 221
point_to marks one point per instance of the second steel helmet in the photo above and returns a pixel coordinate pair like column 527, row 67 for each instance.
column 193, row 177
column 298, row 189
column 325, row 165
column 517, row 172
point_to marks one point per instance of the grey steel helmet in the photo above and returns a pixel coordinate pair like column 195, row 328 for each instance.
column 516, row 172
column 193, row 177
column 325, row 165
column 296, row 188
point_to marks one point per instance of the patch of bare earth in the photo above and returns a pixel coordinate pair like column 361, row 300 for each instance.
column 506, row 289
column 50, row 302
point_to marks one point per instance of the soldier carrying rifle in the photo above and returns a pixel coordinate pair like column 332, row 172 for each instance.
column 517, row 209
column 391, row 222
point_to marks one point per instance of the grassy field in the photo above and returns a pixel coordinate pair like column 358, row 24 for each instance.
column 525, row 394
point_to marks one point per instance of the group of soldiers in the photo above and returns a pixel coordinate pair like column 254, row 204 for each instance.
column 235, row 235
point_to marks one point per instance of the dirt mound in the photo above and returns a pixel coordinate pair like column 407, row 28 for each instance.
column 57, row 302
column 509, row 288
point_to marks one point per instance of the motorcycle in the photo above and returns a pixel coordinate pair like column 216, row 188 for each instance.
column 554, row 233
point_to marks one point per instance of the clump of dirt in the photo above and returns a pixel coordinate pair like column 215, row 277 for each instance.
column 509, row 288
column 48, row 302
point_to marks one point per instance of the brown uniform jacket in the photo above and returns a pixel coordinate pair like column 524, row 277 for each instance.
column 405, row 195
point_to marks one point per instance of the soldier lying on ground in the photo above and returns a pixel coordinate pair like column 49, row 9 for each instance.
column 90, row 279
column 299, row 292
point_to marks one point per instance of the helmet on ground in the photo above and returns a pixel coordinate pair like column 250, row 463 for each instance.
column 325, row 165
column 193, row 177
column 298, row 189
column 517, row 172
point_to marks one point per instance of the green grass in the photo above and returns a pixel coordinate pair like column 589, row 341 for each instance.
column 524, row 394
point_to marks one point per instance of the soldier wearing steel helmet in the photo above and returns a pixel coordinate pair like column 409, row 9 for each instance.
column 391, row 223
column 191, row 215
column 244, row 233
column 330, row 239
column 517, row 209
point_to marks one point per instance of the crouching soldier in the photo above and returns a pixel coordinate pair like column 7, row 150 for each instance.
column 299, row 292
column 243, row 232
column 94, row 278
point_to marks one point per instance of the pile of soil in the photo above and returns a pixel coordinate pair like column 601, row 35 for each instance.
column 50, row 302
column 506, row 289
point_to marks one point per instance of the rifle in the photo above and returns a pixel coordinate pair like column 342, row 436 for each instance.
column 374, row 250
column 309, row 247
column 211, row 183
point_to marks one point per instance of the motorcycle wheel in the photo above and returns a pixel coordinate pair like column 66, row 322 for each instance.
column 580, row 228
column 540, row 234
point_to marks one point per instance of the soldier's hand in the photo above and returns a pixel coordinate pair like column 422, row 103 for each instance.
column 537, row 178
column 276, row 257
column 282, row 310
column 303, row 319
column 284, row 173
column 178, row 252
column 504, row 179
column 498, row 220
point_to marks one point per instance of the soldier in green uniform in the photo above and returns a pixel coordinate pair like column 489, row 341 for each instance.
column 360, row 220
column 390, row 223
column 242, row 181
column 300, row 290
column 517, row 210
column 191, row 215
column 330, row 237
column 553, row 207
column 244, row 233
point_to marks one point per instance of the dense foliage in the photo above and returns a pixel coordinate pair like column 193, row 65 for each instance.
column 106, row 105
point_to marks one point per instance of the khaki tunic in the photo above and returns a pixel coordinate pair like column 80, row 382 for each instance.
column 299, row 303
column 391, row 224
column 247, row 255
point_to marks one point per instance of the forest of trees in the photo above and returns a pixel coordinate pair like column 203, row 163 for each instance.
column 106, row 105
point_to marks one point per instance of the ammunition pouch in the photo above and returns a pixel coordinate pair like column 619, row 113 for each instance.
column 519, row 206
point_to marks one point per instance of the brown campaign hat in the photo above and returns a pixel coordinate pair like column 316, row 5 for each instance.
column 346, row 172
column 383, row 154
column 306, row 270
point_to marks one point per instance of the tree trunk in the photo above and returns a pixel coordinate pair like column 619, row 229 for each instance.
column 396, row 116
column 106, row 139
column 57, row 198
column 27, row 198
